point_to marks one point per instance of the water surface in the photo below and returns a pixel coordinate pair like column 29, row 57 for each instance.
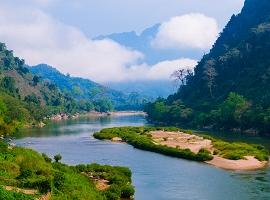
column 156, row 177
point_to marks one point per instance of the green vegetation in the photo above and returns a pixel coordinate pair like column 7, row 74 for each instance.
column 91, row 95
column 238, row 150
column 229, row 89
column 24, row 168
column 140, row 138
column 12, row 195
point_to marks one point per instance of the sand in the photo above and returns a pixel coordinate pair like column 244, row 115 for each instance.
column 195, row 143
column 181, row 140
column 102, row 184
column 249, row 163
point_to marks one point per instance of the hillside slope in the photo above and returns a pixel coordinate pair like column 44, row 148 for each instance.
column 85, row 90
column 240, row 58
column 230, row 86
column 24, row 98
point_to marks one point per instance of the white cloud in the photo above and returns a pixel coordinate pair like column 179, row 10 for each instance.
column 39, row 38
column 187, row 31
column 163, row 70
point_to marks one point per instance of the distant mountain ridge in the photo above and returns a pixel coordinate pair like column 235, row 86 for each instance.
column 84, row 89
column 143, row 43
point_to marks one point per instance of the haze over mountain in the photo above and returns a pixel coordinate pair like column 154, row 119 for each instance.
column 143, row 43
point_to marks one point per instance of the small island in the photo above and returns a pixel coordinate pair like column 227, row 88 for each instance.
column 185, row 144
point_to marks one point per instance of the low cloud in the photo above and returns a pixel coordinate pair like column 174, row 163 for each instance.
column 164, row 69
column 39, row 38
column 195, row 31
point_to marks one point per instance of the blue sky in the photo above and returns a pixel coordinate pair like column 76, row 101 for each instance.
column 96, row 17
column 59, row 32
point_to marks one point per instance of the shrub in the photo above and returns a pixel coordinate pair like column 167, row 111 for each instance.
column 127, row 191
column 25, row 174
column 46, row 158
column 58, row 179
column 57, row 158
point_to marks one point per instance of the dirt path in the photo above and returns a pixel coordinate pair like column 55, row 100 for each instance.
column 29, row 192
column 45, row 197
column 24, row 191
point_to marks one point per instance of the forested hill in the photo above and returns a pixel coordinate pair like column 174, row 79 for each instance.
column 239, row 60
column 86, row 90
column 230, row 88
column 24, row 98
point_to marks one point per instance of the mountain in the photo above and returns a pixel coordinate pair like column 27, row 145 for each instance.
column 143, row 43
column 230, row 86
column 149, row 89
column 87, row 90
column 24, row 98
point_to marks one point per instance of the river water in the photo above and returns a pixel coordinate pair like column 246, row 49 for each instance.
column 155, row 177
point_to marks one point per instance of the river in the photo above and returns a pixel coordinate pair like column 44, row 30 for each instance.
column 155, row 177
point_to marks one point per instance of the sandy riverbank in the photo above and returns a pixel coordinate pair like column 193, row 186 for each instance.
column 195, row 143
column 250, row 163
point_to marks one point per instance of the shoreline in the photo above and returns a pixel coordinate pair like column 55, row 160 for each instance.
column 250, row 163
column 63, row 116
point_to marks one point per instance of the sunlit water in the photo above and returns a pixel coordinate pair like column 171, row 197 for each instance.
column 156, row 177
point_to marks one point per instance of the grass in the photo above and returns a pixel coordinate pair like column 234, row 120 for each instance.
column 25, row 168
column 140, row 138
column 237, row 151
column 12, row 195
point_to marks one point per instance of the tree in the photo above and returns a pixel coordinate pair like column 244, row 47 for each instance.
column 36, row 80
column 210, row 75
column 8, row 84
column 57, row 158
column 103, row 105
column 232, row 110
column 179, row 75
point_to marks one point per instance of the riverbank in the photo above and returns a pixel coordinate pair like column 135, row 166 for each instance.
column 26, row 174
column 63, row 116
column 184, row 144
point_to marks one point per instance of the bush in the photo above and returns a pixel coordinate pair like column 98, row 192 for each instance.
column 46, row 158
column 43, row 184
column 57, row 158
column 58, row 179
column 127, row 191
column 25, row 174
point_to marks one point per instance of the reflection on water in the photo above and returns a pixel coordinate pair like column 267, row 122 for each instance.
column 156, row 177
column 259, row 183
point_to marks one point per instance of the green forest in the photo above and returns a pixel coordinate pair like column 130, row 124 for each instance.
column 229, row 89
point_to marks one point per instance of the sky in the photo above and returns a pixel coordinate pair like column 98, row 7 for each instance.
column 59, row 32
